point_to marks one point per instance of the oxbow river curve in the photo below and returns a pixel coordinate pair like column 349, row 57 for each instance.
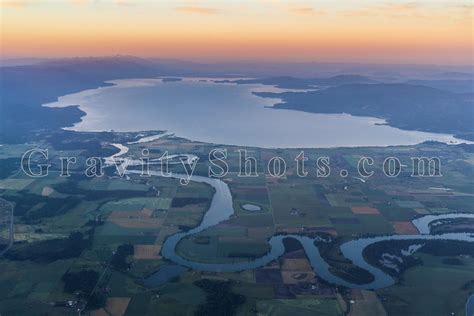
column 221, row 209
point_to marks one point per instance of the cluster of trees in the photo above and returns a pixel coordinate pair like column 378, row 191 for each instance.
column 183, row 201
column 440, row 248
column 83, row 281
column 119, row 260
column 50, row 250
column 219, row 298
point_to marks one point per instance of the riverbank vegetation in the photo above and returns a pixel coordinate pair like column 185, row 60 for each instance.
column 120, row 225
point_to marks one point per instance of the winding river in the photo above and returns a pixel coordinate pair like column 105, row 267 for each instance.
column 221, row 209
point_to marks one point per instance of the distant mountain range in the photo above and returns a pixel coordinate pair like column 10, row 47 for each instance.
column 262, row 69
column 453, row 85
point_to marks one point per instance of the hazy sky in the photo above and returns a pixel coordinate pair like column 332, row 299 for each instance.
column 352, row 30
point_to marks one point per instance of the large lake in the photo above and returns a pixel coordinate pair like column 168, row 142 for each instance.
column 225, row 113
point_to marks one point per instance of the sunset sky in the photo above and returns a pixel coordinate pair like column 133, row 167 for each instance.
column 347, row 31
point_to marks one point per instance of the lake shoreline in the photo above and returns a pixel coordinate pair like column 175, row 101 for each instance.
column 302, row 129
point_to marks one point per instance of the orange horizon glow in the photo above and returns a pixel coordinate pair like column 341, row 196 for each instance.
column 349, row 31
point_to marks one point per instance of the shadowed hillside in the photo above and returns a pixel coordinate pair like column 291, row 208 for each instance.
column 411, row 107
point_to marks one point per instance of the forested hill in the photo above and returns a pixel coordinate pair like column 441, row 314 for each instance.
column 305, row 83
column 23, row 89
column 410, row 107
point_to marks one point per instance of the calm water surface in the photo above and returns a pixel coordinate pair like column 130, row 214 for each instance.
column 251, row 207
column 202, row 110
column 470, row 306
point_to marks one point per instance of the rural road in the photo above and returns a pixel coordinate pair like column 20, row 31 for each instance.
column 5, row 203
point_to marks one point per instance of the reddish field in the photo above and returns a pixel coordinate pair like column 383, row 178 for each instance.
column 147, row 252
column 364, row 210
column 405, row 228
